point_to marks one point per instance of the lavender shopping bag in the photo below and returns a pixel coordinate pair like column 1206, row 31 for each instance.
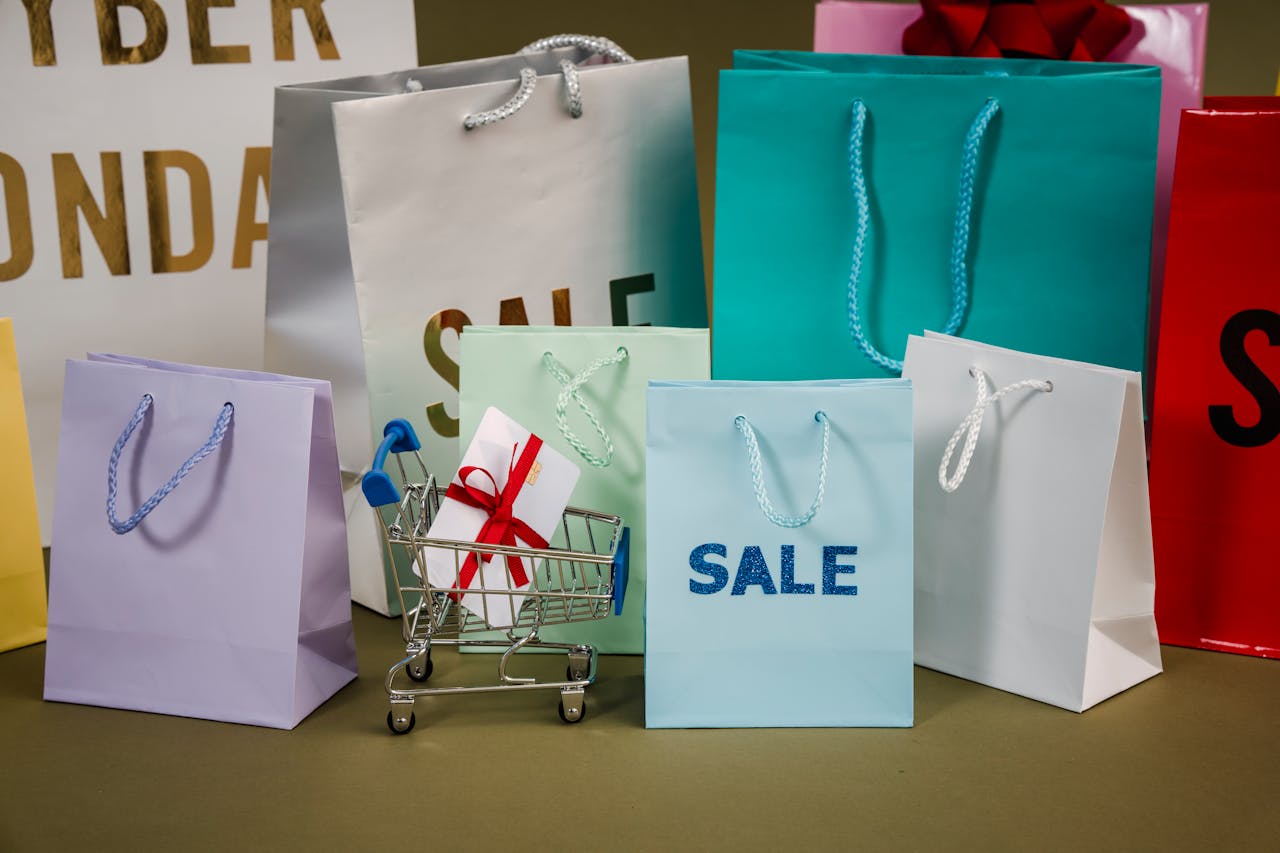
column 226, row 597
column 1171, row 36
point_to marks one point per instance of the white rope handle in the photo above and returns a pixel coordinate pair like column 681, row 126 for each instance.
column 596, row 45
column 971, row 426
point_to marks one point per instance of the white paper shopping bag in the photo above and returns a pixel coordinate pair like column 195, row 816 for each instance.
column 1034, row 569
column 578, row 207
column 511, row 490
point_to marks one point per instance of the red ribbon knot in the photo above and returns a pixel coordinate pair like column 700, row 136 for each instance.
column 502, row 527
column 1085, row 30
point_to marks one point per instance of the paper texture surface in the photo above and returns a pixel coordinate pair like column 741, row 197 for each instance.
column 787, row 603
column 230, row 601
column 22, row 594
column 1035, row 575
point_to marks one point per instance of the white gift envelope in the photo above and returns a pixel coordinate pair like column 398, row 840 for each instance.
column 506, row 473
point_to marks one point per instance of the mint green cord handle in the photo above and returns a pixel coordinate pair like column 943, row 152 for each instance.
column 571, row 390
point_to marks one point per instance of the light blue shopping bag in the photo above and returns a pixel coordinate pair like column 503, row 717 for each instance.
column 860, row 199
column 780, row 554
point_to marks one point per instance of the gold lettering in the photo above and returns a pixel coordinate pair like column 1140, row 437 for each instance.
column 447, row 369
column 257, row 170
column 156, row 165
column 511, row 313
column 560, row 307
column 73, row 199
column 113, row 51
column 40, row 25
column 17, row 207
column 282, row 28
column 203, row 51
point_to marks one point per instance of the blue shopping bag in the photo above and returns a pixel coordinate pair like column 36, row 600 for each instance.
column 860, row 199
column 780, row 554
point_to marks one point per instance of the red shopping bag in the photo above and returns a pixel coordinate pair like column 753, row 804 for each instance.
column 1215, row 453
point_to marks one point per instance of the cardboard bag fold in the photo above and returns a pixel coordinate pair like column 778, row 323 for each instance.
column 224, row 594
column 541, row 217
column 1034, row 571
column 511, row 489
column 22, row 594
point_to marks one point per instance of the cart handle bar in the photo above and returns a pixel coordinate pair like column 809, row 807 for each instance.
column 398, row 437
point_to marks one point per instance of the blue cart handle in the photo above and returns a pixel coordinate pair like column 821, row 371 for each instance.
column 398, row 437
column 621, row 570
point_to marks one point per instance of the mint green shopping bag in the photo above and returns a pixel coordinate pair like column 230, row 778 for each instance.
column 860, row 199
column 582, row 390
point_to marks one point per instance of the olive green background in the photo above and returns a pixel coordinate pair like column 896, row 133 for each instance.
column 1187, row 761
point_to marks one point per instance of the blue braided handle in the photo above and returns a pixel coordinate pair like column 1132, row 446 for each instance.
column 959, row 238
column 220, row 427
column 397, row 437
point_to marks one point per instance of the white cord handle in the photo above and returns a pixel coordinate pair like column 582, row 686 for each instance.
column 596, row 45
column 971, row 426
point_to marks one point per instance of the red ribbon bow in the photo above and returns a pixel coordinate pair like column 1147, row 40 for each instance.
column 1085, row 30
column 502, row 527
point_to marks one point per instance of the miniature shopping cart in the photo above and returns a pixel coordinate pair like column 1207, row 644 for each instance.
column 582, row 577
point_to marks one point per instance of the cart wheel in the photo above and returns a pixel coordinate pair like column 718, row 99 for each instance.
column 582, row 713
column 420, row 671
column 401, row 730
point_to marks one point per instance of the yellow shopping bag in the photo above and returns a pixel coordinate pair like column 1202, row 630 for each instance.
column 22, row 591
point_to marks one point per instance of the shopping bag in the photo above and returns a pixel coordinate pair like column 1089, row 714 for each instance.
column 223, row 595
column 22, row 604
column 860, row 198
column 756, row 616
column 1214, row 453
column 135, row 195
column 1033, row 534
column 582, row 390
column 1170, row 35
column 450, row 227
column 510, row 490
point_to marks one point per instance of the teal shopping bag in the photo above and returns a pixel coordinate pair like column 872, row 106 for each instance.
column 582, row 390
column 780, row 554
column 860, row 199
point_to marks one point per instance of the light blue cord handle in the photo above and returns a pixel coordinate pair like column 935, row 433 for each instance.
column 959, row 239
column 757, row 474
column 215, row 440
column 572, row 391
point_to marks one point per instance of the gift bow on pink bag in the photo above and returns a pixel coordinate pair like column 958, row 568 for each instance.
column 1048, row 29
column 502, row 527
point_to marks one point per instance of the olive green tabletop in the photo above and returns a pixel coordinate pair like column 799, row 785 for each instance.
column 1186, row 761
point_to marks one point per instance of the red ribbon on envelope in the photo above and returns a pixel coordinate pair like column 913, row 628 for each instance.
column 502, row 527
column 1085, row 30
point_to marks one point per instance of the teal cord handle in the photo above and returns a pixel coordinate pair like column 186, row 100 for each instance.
column 757, row 473
column 959, row 237
column 572, row 391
